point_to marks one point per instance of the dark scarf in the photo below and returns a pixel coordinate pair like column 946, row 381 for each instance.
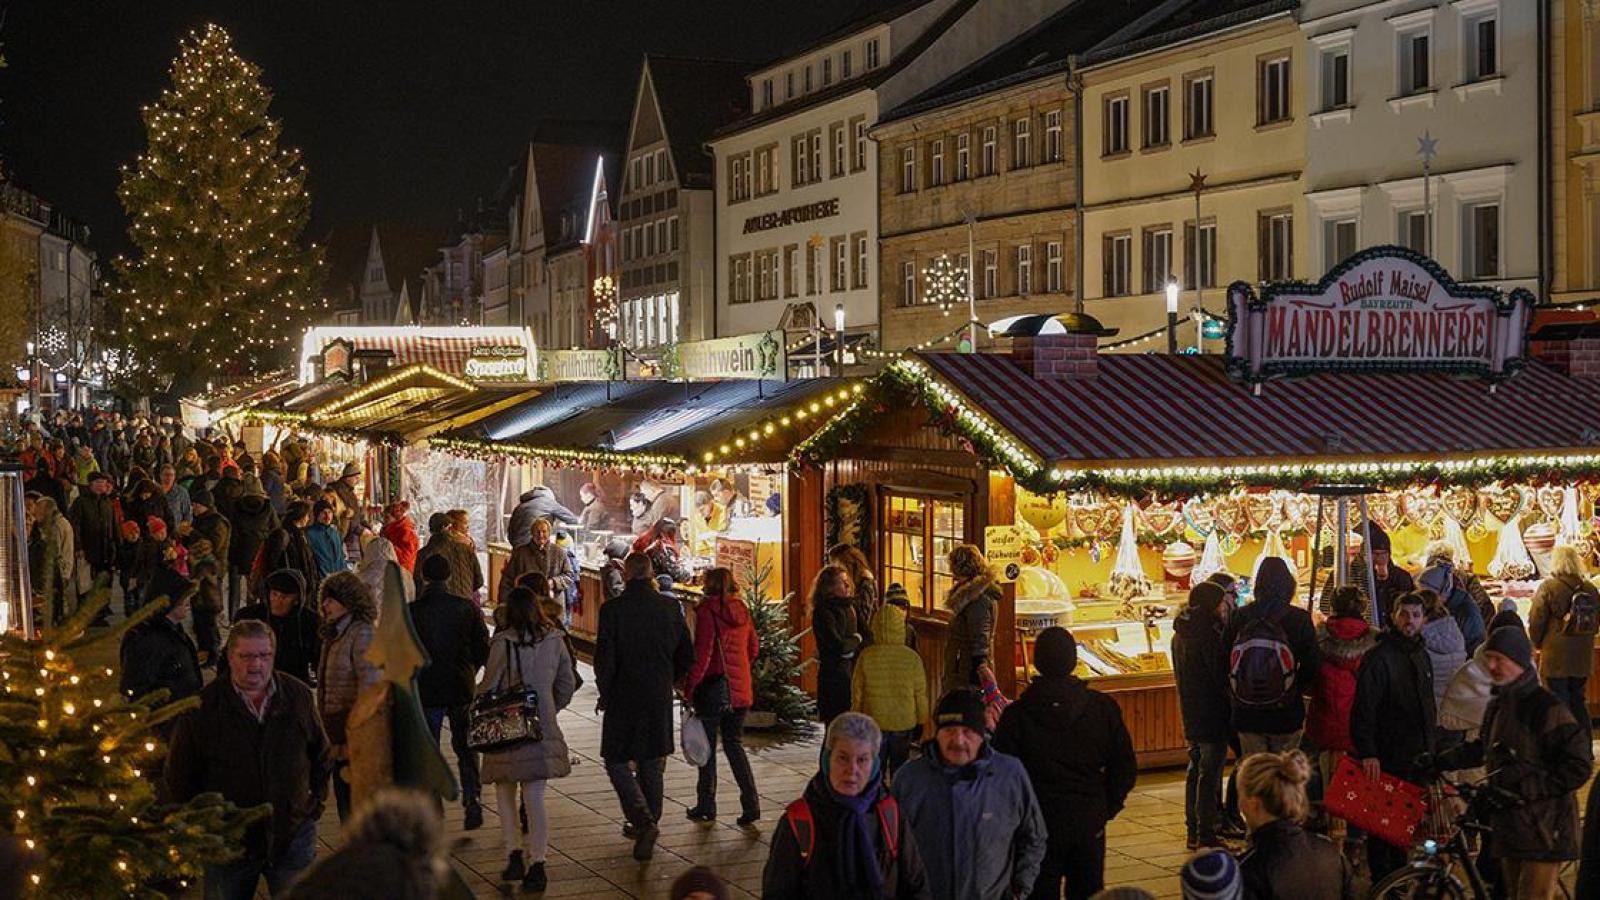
column 857, row 861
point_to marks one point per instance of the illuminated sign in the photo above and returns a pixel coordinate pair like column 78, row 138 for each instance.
column 578, row 365
column 498, row 363
column 760, row 355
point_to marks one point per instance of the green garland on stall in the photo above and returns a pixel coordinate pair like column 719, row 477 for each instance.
column 905, row 380
column 470, row 448
column 857, row 494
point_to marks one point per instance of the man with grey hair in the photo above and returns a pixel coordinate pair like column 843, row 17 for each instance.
column 177, row 497
column 845, row 836
column 255, row 738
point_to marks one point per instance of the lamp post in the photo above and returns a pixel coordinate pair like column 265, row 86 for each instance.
column 1172, row 314
column 838, row 335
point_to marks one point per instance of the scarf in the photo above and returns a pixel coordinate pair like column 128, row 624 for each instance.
column 857, row 861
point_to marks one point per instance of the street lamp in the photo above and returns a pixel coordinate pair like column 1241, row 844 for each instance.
column 1172, row 314
column 838, row 334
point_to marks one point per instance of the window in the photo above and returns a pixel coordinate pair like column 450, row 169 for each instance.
column 649, row 240
column 988, row 151
column 672, row 230
column 991, row 273
column 791, row 270
column 812, row 249
column 636, row 173
column 844, row 64
column 1157, row 104
column 1024, row 269
column 841, row 258
column 1157, row 258
column 860, row 272
column 627, row 244
column 662, row 172
column 816, row 155
column 1118, row 264
column 936, row 163
column 1272, row 90
column 765, row 275
column 1482, row 244
column 919, row 531
column 1482, row 46
column 1022, row 143
column 661, row 235
column 1275, row 232
column 766, row 170
column 827, row 71
column 807, row 84
column 788, row 90
column 872, row 54
column 908, row 283
column 963, row 157
column 1116, row 125
column 800, row 153
column 1416, row 64
column 739, row 178
column 650, row 169
column 1205, row 256
column 840, row 148
column 739, row 287
column 858, row 158
column 1053, row 135
column 908, row 170
column 766, row 93
column 1197, row 121
column 1412, row 232
column 1052, row 267
column 1336, row 78
column 1338, row 241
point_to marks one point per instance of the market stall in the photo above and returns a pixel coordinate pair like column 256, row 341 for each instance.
column 1102, row 485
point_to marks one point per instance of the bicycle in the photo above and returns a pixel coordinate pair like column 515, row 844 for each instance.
column 1431, row 873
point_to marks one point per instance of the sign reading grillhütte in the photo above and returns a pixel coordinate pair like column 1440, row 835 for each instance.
column 1383, row 310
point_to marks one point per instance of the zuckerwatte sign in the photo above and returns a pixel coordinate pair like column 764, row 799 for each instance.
column 1383, row 310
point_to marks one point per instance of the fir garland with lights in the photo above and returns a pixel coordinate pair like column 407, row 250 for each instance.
column 75, row 798
column 218, row 209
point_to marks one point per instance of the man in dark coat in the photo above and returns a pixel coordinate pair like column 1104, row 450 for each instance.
column 1275, row 727
column 452, row 631
column 209, row 523
column 287, row 548
column 159, row 654
column 1079, row 755
column 1392, row 720
column 252, row 520
column 536, row 503
column 1392, row 580
column 294, row 623
column 255, row 738
column 1200, row 667
column 642, row 649
column 94, row 525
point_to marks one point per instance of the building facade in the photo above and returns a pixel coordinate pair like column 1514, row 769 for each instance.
column 1208, row 89
column 1377, row 80
column 1574, row 234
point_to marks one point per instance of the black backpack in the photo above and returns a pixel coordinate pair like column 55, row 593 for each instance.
column 1583, row 610
column 1261, row 664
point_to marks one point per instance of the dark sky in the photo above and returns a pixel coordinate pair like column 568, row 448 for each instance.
column 404, row 110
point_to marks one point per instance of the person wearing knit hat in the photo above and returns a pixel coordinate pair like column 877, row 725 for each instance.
column 1392, row 580
column 1211, row 876
column 1512, row 644
column 895, row 594
column 889, row 682
column 1079, row 758
column 1200, row 668
column 1269, row 710
column 699, row 883
column 327, row 544
column 997, row 854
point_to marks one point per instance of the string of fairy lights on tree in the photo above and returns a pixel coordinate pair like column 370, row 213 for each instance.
column 218, row 209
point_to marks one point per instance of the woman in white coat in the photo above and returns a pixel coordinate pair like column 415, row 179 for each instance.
column 530, row 648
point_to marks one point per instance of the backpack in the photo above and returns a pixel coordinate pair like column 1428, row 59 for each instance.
column 804, row 828
column 1261, row 665
column 1583, row 611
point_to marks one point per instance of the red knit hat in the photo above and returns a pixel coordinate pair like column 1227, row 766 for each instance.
column 156, row 527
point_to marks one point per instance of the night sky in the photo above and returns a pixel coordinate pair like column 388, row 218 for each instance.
column 404, row 110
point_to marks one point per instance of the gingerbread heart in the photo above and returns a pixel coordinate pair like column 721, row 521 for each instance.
column 1230, row 515
column 1461, row 504
column 1551, row 499
column 1421, row 509
column 1384, row 510
column 1262, row 510
column 1160, row 518
column 1504, row 504
column 1198, row 515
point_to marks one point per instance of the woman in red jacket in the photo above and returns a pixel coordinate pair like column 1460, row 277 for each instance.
column 397, row 528
column 1343, row 640
column 723, row 690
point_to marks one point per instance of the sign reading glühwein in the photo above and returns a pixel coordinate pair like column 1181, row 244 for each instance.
column 1386, row 309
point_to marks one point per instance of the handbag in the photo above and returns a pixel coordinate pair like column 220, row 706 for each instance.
column 712, row 696
column 505, row 718
column 693, row 739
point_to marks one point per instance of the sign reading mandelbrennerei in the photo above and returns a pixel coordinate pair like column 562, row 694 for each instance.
column 758, row 356
column 579, row 365
column 1386, row 309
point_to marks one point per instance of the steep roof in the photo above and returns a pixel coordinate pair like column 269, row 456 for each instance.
column 566, row 175
column 407, row 250
column 1183, row 21
column 696, row 97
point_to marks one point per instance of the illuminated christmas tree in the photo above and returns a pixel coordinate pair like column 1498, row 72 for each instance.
column 76, row 802
column 221, row 280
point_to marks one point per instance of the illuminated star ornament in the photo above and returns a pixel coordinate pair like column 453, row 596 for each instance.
column 1427, row 147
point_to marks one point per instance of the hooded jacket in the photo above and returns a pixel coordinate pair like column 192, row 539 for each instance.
column 1302, row 638
column 1561, row 655
column 1447, row 652
column 889, row 683
column 1444, row 580
column 287, row 548
column 1076, row 749
column 979, row 826
column 725, row 643
column 536, row 503
column 299, row 643
column 1342, row 642
column 404, row 538
column 1200, row 667
column 253, row 519
column 791, row 875
column 1393, row 716
column 343, row 671
column 969, row 640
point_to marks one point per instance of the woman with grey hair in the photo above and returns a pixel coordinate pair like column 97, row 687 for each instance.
column 349, row 623
column 845, row 837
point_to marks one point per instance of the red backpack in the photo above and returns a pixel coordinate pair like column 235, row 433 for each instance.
column 798, row 815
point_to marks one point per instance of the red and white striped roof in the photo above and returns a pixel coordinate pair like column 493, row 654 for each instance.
column 1157, row 408
column 444, row 348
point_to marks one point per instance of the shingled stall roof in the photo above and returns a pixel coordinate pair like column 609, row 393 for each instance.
column 1181, row 422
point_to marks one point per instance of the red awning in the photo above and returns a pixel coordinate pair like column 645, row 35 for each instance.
column 1156, row 408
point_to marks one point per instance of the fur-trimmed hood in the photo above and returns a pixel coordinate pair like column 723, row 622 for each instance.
column 962, row 595
column 1343, row 641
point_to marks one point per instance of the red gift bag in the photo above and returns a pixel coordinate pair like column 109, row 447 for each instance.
column 1390, row 808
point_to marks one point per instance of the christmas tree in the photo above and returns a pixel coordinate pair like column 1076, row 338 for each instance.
column 76, row 802
column 776, row 672
column 218, row 209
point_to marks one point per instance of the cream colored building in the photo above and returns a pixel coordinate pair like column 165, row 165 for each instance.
column 1219, row 96
column 1575, row 194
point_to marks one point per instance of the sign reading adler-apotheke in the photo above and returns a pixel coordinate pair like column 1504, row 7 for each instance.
column 759, row 355
column 810, row 212
column 1385, row 309
column 498, row 363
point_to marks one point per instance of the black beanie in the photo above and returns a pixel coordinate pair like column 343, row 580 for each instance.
column 962, row 706
column 1055, row 652
column 437, row 523
column 1206, row 595
column 1512, row 643
column 436, row 568
column 284, row 582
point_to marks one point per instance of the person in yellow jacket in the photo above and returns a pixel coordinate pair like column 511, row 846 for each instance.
column 890, row 684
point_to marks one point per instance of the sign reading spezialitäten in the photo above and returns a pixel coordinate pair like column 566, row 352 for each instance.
column 758, row 356
column 810, row 212
column 502, row 362
column 1386, row 309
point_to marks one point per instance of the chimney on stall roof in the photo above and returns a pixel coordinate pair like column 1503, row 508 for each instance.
column 1058, row 348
